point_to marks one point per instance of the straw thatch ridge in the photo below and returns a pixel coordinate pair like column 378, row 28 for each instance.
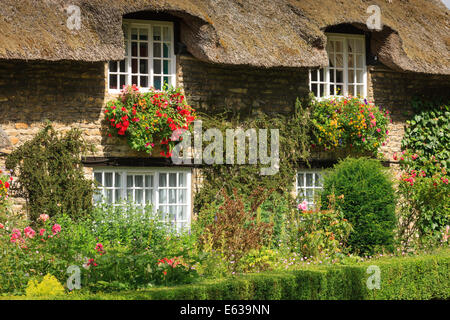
column 264, row 33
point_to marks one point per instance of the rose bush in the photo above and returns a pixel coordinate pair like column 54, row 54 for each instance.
column 150, row 118
column 27, row 253
column 424, row 200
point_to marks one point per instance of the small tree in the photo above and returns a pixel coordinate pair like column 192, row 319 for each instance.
column 369, row 202
column 50, row 174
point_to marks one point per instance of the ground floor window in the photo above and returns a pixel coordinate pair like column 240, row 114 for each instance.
column 168, row 191
column 309, row 183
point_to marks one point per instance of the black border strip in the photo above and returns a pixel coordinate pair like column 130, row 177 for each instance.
column 167, row 162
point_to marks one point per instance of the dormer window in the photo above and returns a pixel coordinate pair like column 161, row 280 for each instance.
column 346, row 71
column 149, row 56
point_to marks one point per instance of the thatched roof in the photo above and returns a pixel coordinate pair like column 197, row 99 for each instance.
column 263, row 33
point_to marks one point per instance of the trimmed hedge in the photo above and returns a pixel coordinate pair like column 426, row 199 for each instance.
column 421, row 277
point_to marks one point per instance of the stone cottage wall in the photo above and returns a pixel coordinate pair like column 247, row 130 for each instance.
column 212, row 87
column 73, row 94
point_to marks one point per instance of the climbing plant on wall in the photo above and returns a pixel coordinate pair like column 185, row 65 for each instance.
column 294, row 146
column 427, row 135
column 50, row 173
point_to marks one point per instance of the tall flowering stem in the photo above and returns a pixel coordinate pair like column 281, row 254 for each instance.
column 5, row 184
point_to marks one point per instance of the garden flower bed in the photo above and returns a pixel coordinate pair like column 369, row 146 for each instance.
column 413, row 277
column 250, row 239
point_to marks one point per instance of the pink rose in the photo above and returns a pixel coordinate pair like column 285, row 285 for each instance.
column 15, row 235
column 29, row 232
column 2, row 226
column 41, row 232
column 56, row 228
column 303, row 206
column 44, row 217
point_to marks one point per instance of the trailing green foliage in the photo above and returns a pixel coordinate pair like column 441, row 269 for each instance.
column 404, row 278
column 369, row 202
column 50, row 174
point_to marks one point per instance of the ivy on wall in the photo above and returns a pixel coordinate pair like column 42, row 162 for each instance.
column 428, row 133
column 295, row 141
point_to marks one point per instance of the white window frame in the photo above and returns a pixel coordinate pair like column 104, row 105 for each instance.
column 326, row 70
column 304, row 187
column 148, row 25
column 155, row 172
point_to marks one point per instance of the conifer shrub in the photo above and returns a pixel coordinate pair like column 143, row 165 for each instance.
column 369, row 202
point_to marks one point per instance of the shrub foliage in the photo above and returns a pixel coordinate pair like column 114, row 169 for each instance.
column 406, row 278
column 50, row 173
column 369, row 202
